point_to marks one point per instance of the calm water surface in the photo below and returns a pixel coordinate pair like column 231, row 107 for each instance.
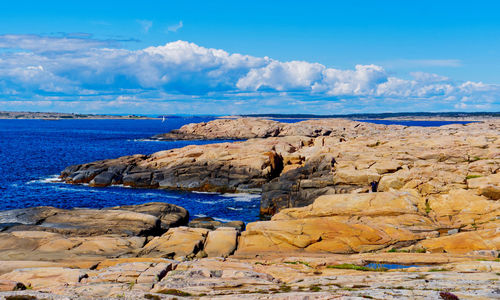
column 32, row 152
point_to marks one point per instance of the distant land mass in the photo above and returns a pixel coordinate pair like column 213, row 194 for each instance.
column 361, row 116
column 392, row 116
column 59, row 116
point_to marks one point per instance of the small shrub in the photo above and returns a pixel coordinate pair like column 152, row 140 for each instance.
column 285, row 288
column 152, row 297
column 314, row 288
column 473, row 176
column 427, row 207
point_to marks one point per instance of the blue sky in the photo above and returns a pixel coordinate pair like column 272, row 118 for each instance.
column 249, row 57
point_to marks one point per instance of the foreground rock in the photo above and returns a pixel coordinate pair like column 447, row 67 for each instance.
column 307, row 277
column 40, row 245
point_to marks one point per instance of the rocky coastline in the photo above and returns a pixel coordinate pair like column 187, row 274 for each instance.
column 353, row 210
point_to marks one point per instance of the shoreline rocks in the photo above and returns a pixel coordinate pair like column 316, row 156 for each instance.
column 340, row 195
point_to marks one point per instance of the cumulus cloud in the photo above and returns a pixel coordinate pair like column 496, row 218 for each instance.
column 78, row 68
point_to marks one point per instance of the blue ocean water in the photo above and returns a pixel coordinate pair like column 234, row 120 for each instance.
column 32, row 152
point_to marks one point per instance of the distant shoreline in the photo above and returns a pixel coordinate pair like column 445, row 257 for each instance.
column 52, row 116
column 423, row 116
column 420, row 116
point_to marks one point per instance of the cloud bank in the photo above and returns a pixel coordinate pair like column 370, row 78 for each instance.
column 85, row 74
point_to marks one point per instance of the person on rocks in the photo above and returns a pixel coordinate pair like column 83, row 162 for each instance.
column 332, row 163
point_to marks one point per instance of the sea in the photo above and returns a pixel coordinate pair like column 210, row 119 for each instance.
column 34, row 152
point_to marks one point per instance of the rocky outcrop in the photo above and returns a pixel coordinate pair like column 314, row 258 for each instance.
column 249, row 128
column 216, row 167
column 145, row 230
column 430, row 160
column 44, row 246
column 132, row 220
column 293, row 164
column 458, row 222
column 170, row 215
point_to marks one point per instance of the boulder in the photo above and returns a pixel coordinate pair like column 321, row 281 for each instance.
column 176, row 242
column 170, row 215
column 221, row 242
column 211, row 224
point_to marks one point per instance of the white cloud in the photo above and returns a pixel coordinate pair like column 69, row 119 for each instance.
column 145, row 24
column 38, row 44
column 287, row 76
column 175, row 27
column 83, row 69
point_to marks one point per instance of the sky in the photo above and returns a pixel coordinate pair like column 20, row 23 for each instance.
column 230, row 57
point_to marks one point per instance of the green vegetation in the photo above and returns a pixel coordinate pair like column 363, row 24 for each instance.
column 427, row 207
column 285, row 288
column 297, row 262
column 420, row 250
column 493, row 259
column 356, row 267
column 152, row 297
column 438, row 270
column 473, row 176
column 399, row 250
column 174, row 292
column 314, row 288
